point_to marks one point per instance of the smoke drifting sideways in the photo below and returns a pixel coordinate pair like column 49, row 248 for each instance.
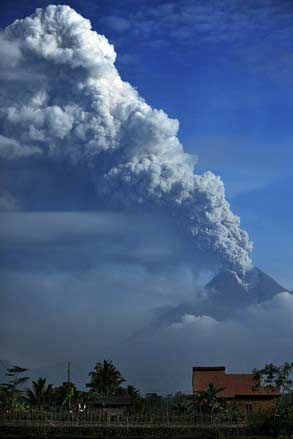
column 63, row 102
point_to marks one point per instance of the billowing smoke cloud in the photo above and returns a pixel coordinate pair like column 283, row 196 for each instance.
column 63, row 101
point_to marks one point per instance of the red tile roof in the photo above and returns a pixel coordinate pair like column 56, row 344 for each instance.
column 234, row 384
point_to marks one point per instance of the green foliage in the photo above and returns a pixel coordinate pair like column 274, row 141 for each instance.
column 105, row 379
column 12, row 391
column 66, row 395
column 272, row 377
column 152, row 403
column 263, row 423
column 180, row 403
column 277, row 377
column 133, row 393
column 40, row 393
column 16, row 379
column 232, row 411
column 18, row 406
column 207, row 401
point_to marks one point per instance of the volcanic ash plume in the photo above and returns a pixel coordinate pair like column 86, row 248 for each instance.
column 63, row 100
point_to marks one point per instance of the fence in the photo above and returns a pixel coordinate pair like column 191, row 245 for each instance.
column 97, row 418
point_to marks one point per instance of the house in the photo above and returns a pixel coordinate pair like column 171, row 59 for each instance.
column 240, row 388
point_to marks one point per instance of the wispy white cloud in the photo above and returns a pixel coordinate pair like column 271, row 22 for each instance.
column 192, row 22
column 116, row 23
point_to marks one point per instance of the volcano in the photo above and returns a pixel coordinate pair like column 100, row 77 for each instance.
column 226, row 294
column 254, row 287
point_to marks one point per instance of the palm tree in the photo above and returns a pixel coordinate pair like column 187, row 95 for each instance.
column 39, row 393
column 211, row 394
column 105, row 379
column 208, row 400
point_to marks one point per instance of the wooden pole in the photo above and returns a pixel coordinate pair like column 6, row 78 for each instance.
column 68, row 383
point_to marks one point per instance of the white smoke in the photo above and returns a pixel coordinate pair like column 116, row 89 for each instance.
column 63, row 99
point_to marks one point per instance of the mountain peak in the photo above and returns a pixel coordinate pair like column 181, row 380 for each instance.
column 254, row 285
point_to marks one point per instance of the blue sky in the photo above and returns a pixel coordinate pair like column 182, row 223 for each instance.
column 224, row 70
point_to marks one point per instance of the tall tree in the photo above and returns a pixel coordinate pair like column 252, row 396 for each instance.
column 40, row 392
column 272, row 377
column 276, row 378
column 13, row 388
column 105, row 379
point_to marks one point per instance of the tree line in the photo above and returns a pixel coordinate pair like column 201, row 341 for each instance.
column 106, row 382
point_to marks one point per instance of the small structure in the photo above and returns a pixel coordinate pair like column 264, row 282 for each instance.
column 240, row 388
column 114, row 405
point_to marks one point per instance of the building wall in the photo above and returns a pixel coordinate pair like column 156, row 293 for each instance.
column 233, row 384
column 240, row 388
column 255, row 406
